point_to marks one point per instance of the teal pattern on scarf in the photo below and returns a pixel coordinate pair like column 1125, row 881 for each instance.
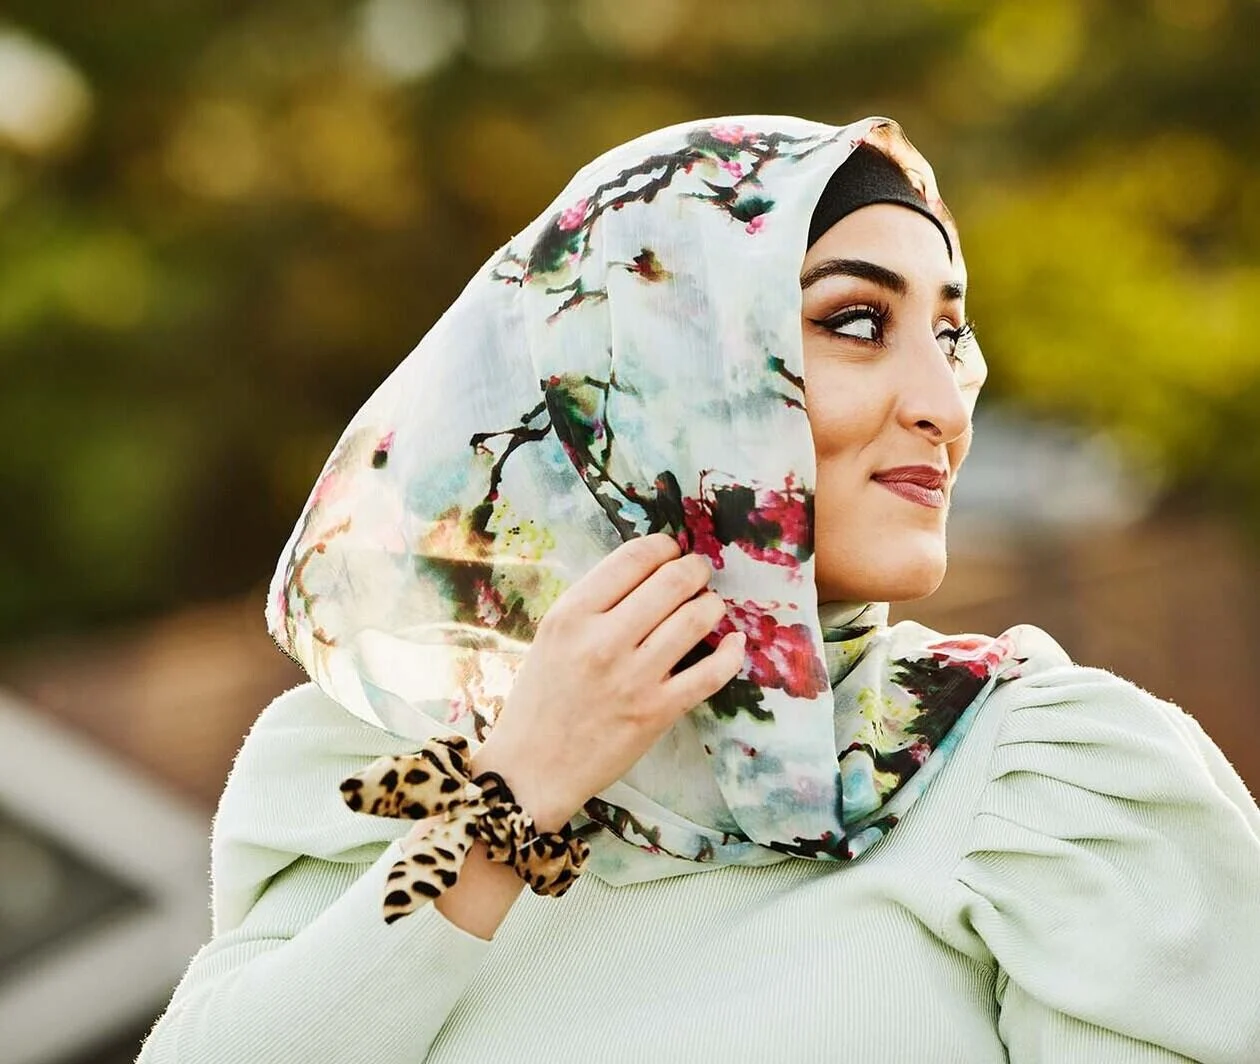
column 631, row 363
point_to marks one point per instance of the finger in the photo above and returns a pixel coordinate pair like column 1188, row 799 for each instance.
column 677, row 635
column 709, row 675
column 642, row 611
column 617, row 574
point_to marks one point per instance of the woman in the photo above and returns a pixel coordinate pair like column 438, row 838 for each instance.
column 626, row 520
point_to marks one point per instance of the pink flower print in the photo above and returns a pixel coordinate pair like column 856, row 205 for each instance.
column 281, row 602
column 574, row 216
column 733, row 167
column 919, row 751
column 460, row 706
column 777, row 655
column 979, row 655
column 698, row 533
column 754, row 226
column 727, row 133
column 789, row 511
column 768, row 525
column 786, row 511
column 381, row 453
column 489, row 604
column 326, row 488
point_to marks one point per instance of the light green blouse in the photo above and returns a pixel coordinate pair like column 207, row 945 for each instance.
column 1080, row 884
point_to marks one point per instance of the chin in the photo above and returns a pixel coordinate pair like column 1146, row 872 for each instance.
column 887, row 574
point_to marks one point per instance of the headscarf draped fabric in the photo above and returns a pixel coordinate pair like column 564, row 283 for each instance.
column 632, row 362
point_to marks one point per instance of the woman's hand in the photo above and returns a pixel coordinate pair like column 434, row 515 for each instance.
column 596, row 688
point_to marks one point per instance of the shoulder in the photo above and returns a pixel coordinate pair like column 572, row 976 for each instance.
column 305, row 731
column 305, row 722
column 1113, row 847
column 282, row 800
column 302, row 739
column 1088, row 729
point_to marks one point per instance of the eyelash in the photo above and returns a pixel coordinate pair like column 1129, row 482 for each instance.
column 960, row 336
column 880, row 313
column 877, row 311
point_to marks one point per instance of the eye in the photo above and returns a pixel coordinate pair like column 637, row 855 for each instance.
column 952, row 339
column 865, row 323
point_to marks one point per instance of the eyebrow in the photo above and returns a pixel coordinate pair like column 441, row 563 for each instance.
column 873, row 272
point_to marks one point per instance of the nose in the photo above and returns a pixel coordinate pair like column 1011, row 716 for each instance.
column 932, row 403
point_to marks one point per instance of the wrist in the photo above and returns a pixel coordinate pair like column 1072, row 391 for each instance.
column 541, row 799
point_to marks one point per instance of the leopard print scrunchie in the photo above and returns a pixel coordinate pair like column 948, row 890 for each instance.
column 435, row 782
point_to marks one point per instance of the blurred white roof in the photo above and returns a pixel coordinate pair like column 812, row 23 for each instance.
column 103, row 895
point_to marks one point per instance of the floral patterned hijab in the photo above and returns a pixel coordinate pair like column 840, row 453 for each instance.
column 629, row 363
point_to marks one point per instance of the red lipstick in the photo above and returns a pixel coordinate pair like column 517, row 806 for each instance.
column 920, row 484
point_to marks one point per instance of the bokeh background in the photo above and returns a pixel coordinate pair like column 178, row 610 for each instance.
column 222, row 224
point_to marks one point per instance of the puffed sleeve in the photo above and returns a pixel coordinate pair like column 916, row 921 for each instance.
column 1113, row 872
column 302, row 966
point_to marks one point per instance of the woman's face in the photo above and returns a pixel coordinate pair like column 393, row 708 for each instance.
column 889, row 403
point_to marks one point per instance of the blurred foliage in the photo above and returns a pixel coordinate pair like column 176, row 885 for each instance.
column 222, row 224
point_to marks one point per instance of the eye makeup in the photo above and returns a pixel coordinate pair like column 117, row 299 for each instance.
column 876, row 314
column 868, row 323
column 958, row 338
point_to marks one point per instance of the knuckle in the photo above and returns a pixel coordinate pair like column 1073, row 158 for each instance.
column 686, row 577
column 641, row 713
column 690, row 694
column 719, row 674
column 567, row 599
column 664, row 543
column 732, row 663
column 679, row 582
column 638, row 549
column 600, row 654
column 719, row 667
column 699, row 566
column 662, row 714
column 652, row 550
column 715, row 604
column 555, row 620
column 707, row 609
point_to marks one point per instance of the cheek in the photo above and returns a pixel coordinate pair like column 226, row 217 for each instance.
column 845, row 411
column 959, row 449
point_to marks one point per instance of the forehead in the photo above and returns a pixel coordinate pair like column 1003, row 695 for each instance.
column 895, row 237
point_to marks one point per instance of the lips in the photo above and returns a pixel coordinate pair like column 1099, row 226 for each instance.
column 924, row 485
column 924, row 476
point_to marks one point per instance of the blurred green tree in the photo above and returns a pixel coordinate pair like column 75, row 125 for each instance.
column 222, row 224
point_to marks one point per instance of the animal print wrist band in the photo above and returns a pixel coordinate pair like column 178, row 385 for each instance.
column 435, row 783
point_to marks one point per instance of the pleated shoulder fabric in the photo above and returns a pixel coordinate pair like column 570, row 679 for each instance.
column 1080, row 885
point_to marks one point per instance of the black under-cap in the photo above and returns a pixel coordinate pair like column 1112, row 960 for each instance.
column 868, row 176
